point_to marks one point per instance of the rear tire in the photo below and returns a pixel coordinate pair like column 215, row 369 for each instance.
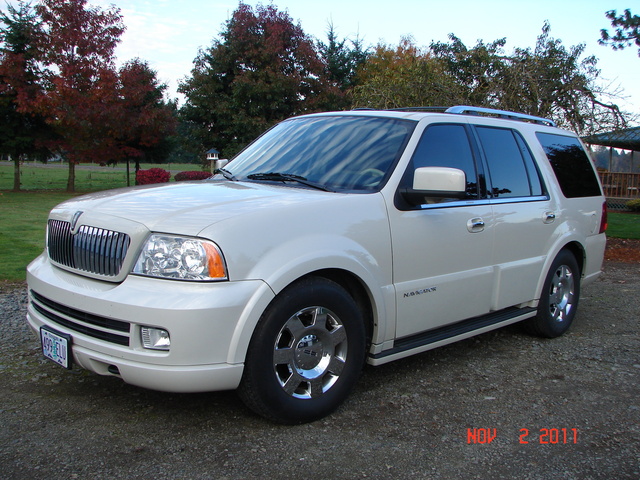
column 306, row 353
column 559, row 299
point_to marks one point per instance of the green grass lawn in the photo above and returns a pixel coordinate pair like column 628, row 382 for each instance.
column 23, row 219
column 624, row 225
column 89, row 178
column 23, row 215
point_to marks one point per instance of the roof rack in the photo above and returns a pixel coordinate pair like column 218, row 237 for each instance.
column 464, row 109
column 419, row 109
column 467, row 110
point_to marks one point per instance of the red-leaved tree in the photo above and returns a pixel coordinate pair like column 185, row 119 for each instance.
column 79, row 78
column 22, row 133
column 143, row 122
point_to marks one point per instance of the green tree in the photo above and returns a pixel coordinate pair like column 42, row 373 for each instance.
column 476, row 72
column 342, row 59
column 186, row 146
column 22, row 135
column 555, row 82
column 627, row 30
column 549, row 81
column 264, row 68
column 404, row 76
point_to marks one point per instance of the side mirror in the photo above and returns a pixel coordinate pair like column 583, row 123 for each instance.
column 219, row 163
column 436, row 182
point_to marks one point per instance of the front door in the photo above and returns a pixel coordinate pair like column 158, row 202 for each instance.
column 442, row 250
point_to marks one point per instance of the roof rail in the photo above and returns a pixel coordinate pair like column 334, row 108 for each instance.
column 462, row 109
column 418, row 109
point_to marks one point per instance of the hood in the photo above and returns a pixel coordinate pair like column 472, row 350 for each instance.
column 187, row 207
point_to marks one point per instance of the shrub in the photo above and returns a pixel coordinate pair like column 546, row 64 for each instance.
column 634, row 205
column 194, row 175
column 153, row 175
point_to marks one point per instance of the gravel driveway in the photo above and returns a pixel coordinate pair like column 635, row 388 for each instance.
column 459, row 412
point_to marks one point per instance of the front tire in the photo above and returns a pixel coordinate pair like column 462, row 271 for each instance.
column 559, row 299
column 306, row 353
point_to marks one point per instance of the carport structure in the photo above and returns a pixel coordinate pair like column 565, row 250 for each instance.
column 619, row 187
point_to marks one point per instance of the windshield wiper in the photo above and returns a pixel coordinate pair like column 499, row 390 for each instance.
column 227, row 174
column 288, row 177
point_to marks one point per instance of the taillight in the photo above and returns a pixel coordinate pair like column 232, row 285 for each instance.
column 603, row 219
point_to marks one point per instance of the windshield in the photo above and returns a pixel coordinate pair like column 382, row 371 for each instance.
column 338, row 152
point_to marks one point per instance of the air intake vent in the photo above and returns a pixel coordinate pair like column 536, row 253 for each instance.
column 103, row 328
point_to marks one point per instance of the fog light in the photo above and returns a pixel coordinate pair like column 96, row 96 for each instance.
column 155, row 338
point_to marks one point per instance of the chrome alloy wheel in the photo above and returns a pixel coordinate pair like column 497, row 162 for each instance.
column 561, row 294
column 310, row 352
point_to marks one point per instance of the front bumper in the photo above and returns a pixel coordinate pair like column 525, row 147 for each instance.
column 210, row 325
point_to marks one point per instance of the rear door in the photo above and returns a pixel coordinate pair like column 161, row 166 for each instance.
column 526, row 219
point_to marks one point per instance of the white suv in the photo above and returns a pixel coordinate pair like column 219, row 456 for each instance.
column 333, row 240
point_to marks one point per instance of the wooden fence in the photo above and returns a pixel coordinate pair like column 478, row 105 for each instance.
column 619, row 188
column 620, row 185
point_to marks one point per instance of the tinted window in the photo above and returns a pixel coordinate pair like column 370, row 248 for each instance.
column 532, row 170
column 341, row 152
column 507, row 157
column 447, row 146
column 571, row 165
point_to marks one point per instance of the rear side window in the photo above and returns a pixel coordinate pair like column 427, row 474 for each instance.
column 571, row 165
column 511, row 167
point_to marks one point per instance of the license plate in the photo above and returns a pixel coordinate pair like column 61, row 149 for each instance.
column 56, row 346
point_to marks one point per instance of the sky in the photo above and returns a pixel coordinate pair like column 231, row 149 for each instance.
column 169, row 33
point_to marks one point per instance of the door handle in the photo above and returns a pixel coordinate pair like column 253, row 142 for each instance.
column 475, row 225
column 549, row 217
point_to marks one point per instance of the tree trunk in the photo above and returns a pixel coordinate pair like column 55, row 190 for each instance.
column 137, row 169
column 16, row 174
column 71, row 181
column 128, row 174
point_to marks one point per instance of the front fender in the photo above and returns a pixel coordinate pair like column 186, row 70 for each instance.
column 339, row 232
column 305, row 256
column 344, row 255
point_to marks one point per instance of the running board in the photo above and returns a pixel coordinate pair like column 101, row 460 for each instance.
column 450, row 333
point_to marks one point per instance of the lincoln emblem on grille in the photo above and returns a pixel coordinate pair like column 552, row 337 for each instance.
column 74, row 220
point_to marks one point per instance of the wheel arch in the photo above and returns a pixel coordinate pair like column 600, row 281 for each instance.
column 300, row 366
column 578, row 251
column 355, row 286
column 357, row 289
column 560, row 295
column 575, row 248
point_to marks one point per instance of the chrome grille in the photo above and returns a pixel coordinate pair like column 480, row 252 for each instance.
column 96, row 326
column 90, row 249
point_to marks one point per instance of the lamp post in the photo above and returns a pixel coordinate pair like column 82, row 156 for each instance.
column 215, row 163
column 212, row 157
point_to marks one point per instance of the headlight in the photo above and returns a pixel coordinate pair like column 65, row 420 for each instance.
column 181, row 258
